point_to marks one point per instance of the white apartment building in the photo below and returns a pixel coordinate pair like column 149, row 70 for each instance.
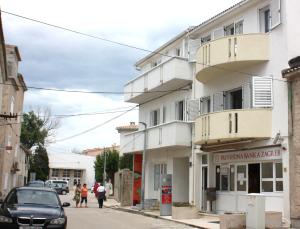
column 162, row 90
column 229, row 129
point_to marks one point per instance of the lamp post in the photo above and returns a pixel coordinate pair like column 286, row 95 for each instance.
column 104, row 167
column 143, row 167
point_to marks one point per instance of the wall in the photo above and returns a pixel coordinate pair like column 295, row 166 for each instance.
column 180, row 179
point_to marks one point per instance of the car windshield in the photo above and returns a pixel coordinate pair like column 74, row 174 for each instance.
column 36, row 197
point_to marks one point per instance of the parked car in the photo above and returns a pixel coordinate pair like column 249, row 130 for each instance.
column 49, row 183
column 36, row 183
column 32, row 207
column 60, row 188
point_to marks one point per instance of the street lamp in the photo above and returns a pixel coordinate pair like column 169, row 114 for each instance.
column 143, row 167
column 104, row 167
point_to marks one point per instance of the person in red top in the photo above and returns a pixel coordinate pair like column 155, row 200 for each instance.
column 84, row 194
column 96, row 185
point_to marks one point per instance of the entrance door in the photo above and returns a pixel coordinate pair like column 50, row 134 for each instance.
column 254, row 178
column 204, row 188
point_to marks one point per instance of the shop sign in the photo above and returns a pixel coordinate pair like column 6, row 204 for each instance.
column 249, row 155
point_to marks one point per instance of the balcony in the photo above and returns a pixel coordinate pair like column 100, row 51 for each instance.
column 169, row 75
column 230, row 53
column 233, row 125
column 167, row 135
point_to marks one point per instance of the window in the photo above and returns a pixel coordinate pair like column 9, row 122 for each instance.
column 77, row 173
column 229, row 30
column 239, row 27
column 265, row 19
column 204, row 159
column 279, row 177
column 155, row 63
column 232, row 174
column 267, row 177
column 234, row 99
column 205, row 105
column 154, row 117
column 12, row 104
column 241, row 182
column 205, row 39
column 179, row 106
column 224, row 170
column 178, row 52
column 66, row 173
column 218, row 178
column 159, row 170
column 55, row 172
column 164, row 114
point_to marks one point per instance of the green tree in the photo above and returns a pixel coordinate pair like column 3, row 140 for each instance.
column 37, row 130
column 126, row 161
column 39, row 163
column 112, row 165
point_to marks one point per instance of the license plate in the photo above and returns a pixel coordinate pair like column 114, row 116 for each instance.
column 30, row 227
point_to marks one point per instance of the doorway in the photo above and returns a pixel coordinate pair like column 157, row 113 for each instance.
column 254, row 178
column 204, row 187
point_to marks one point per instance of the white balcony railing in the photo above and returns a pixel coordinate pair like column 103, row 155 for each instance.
column 169, row 75
column 172, row 134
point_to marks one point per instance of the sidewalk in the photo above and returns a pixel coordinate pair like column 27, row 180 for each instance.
column 207, row 222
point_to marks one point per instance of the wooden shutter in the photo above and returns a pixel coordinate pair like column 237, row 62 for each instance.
column 218, row 100
column 275, row 13
column 246, row 95
column 194, row 45
column 262, row 93
column 193, row 109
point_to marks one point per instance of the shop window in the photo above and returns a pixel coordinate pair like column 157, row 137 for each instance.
column 232, row 174
column 241, row 184
column 77, row 173
column 224, row 178
column 66, row 173
column 218, row 178
column 55, row 172
column 279, row 177
column 159, row 170
column 267, row 177
column 204, row 159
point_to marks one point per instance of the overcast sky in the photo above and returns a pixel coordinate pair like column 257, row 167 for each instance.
column 54, row 58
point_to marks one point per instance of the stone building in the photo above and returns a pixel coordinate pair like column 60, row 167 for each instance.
column 13, row 163
column 293, row 77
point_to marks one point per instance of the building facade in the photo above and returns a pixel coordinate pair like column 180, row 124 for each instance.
column 74, row 168
column 216, row 108
column 12, row 97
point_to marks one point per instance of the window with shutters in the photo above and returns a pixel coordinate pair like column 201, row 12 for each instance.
column 154, row 117
column 262, row 92
column 179, row 107
column 265, row 19
column 193, row 109
column 205, row 105
column 275, row 13
column 218, row 101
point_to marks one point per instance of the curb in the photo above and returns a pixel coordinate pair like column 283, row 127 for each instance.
column 152, row 216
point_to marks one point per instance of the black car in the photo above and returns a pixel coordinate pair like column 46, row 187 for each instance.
column 36, row 183
column 60, row 188
column 32, row 208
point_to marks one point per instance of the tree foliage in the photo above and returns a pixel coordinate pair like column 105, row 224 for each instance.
column 38, row 130
column 39, row 163
column 126, row 161
column 112, row 165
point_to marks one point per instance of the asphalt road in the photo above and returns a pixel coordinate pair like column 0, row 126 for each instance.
column 93, row 217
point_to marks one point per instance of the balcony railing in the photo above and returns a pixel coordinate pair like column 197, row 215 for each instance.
column 169, row 75
column 233, row 125
column 230, row 53
column 172, row 134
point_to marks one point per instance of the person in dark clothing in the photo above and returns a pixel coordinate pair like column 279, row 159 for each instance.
column 101, row 195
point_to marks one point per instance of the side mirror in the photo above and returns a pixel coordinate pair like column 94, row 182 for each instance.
column 66, row 204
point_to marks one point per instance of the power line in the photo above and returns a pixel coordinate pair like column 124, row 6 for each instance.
column 95, row 127
column 126, row 45
column 90, row 92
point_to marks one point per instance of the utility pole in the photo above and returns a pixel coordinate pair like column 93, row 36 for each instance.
column 143, row 167
column 104, row 167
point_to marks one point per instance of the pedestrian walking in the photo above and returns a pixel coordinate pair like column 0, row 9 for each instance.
column 96, row 185
column 101, row 195
column 84, row 195
column 108, row 189
column 77, row 194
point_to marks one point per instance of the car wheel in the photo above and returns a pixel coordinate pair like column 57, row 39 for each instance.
column 64, row 192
